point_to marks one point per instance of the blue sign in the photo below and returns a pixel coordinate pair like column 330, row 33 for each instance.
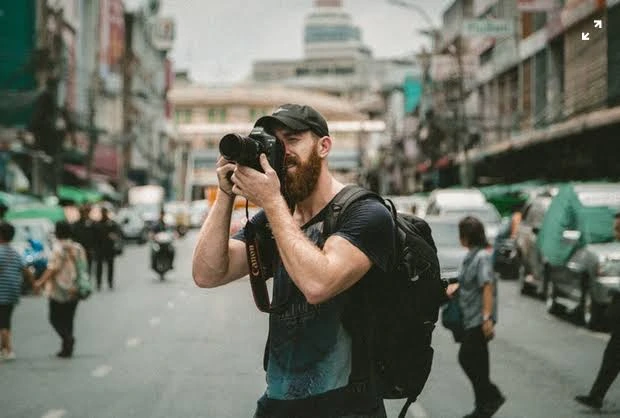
column 412, row 88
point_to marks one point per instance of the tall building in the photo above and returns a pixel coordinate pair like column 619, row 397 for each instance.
column 336, row 60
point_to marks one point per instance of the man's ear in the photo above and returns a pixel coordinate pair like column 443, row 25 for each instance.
column 324, row 145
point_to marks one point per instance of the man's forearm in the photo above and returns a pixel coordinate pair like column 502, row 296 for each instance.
column 305, row 263
column 210, row 261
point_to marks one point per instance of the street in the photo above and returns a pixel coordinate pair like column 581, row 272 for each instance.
column 168, row 349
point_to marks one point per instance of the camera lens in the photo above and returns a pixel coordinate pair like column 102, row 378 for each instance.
column 231, row 146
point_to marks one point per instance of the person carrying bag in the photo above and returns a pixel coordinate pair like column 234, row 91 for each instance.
column 65, row 281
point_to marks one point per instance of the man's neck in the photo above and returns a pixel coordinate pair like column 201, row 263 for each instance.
column 326, row 188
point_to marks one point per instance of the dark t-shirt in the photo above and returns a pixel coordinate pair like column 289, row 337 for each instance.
column 310, row 346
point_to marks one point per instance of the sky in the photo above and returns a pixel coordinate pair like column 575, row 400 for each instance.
column 217, row 40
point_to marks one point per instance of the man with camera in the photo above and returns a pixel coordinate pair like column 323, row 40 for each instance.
column 316, row 359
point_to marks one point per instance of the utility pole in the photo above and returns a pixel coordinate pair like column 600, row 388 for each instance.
column 127, row 135
column 461, row 134
column 92, row 125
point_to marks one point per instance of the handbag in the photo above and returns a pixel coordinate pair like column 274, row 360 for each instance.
column 452, row 318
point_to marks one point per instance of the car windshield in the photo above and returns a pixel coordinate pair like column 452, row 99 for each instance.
column 445, row 234
column 485, row 215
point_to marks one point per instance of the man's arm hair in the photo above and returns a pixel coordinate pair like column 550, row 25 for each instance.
column 320, row 274
column 218, row 259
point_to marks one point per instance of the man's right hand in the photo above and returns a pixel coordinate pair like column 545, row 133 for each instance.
column 224, row 169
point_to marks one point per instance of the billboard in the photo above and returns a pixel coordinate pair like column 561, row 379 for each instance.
column 112, row 43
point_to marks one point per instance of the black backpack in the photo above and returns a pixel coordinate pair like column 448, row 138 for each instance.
column 404, row 306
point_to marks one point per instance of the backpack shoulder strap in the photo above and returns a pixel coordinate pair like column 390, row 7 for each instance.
column 340, row 203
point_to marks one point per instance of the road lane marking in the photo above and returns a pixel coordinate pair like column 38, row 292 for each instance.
column 55, row 413
column 101, row 371
column 154, row 321
column 170, row 304
column 133, row 342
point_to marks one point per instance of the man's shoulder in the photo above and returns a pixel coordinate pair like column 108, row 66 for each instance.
column 371, row 208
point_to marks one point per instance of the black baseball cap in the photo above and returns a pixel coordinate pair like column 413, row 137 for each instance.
column 297, row 118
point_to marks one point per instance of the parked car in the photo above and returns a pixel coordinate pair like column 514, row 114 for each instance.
column 505, row 259
column 441, row 200
column 445, row 231
column 530, row 261
column 412, row 204
column 133, row 227
column 582, row 259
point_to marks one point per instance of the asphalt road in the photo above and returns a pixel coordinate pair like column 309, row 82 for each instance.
column 168, row 349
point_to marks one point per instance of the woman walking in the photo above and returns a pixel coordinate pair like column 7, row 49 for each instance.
column 478, row 302
column 12, row 270
column 60, row 286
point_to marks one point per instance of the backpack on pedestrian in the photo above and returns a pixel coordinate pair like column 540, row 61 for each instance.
column 404, row 306
column 82, row 280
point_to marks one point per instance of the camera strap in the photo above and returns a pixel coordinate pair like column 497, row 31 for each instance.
column 257, row 280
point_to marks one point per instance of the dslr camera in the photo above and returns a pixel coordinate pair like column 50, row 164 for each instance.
column 245, row 150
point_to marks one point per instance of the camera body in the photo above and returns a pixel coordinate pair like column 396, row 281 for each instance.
column 245, row 150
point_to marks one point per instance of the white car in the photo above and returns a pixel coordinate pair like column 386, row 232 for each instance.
column 133, row 226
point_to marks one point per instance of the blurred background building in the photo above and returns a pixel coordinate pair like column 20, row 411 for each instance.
column 75, row 77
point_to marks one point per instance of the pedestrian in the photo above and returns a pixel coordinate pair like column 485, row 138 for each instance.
column 84, row 234
column 477, row 298
column 60, row 284
column 610, row 367
column 107, row 233
column 12, row 272
column 309, row 353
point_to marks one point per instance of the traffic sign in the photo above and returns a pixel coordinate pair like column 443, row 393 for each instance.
column 488, row 27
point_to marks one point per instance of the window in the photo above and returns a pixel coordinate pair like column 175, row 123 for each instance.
column 183, row 115
column 216, row 114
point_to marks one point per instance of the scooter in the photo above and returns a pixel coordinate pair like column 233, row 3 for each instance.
column 162, row 253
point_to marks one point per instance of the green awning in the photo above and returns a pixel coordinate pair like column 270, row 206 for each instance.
column 36, row 210
column 78, row 195
column 13, row 199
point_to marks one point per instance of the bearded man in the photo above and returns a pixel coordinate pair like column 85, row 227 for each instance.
column 310, row 355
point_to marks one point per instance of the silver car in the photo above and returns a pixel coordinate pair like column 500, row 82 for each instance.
column 445, row 231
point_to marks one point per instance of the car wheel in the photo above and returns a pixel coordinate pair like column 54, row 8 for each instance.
column 551, row 298
column 591, row 312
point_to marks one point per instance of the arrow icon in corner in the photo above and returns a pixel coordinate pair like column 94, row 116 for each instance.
column 598, row 24
column 585, row 36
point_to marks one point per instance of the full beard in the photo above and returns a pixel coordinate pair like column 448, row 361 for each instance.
column 301, row 183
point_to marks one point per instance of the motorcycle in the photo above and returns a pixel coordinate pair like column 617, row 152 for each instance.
column 162, row 253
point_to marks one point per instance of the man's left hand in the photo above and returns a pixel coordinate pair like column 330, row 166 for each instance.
column 259, row 188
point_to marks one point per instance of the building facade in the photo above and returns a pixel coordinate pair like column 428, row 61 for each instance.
column 203, row 115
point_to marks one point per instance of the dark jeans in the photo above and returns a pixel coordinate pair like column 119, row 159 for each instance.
column 109, row 261
column 474, row 359
column 609, row 368
column 61, row 317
